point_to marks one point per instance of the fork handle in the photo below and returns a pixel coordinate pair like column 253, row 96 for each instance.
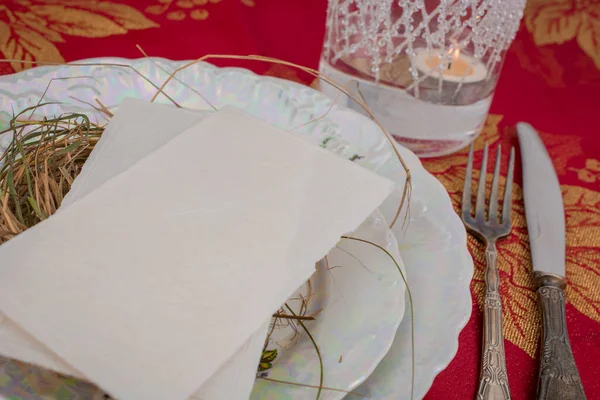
column 493, row 381
column 558, row 377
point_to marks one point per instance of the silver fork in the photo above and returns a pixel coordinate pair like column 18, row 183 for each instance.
column 493, row 380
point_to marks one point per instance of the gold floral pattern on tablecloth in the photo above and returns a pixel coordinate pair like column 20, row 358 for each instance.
column 582, row 208
column 178, row 10
column 29, row 29
column 540, row 61
column 559, row 21
column 590, row 173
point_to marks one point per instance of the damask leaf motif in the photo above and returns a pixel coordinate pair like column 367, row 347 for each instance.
column 586, row 71
column 185, row 4
column 590, row 173
column 77, row 22
column 124, row 15
column 30, row 27
column 584, row 281
column 5, row 34
column 199, row 15
column 589, row 37
column 541, row 61
column 586, row 176
column 592, row 165
column 177, row 15
column 562, row 149
column 40, row 25
column 551, row 21
column 156, row 9
column 559, row 21
column 182, row 9
column 21, row 43
column 582, row 209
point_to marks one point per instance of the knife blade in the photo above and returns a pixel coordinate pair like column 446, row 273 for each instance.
column 545, row 216
column 544, row 208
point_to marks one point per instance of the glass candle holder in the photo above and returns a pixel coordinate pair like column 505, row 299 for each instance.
column 426, row 69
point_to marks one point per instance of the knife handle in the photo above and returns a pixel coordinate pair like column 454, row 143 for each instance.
column 558, row 377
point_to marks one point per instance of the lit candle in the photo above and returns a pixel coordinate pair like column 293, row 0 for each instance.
column 451, row 67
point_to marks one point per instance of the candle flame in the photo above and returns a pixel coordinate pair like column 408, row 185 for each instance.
column 454, row 52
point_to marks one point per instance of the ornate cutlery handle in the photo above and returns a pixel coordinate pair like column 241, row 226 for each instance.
column 493, row 381
column 559, row 377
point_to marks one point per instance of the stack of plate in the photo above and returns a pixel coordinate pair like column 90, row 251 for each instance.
column 362, row 319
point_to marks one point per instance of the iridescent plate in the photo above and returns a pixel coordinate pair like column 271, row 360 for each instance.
column 357, row 301
column 431, row 239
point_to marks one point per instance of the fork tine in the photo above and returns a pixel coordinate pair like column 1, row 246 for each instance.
column 493, row 214
column 507, row 205
column 480, row 204
column 466, row 199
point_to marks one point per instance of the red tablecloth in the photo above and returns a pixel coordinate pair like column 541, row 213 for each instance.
column 551, row 79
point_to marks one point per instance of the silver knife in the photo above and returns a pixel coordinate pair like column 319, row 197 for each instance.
column 544, row 211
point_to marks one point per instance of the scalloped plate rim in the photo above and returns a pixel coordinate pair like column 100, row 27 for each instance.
column 467, row 270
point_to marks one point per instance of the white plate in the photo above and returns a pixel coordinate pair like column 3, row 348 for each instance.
column 432, row 244
column 358, row 303
column 357, row 300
